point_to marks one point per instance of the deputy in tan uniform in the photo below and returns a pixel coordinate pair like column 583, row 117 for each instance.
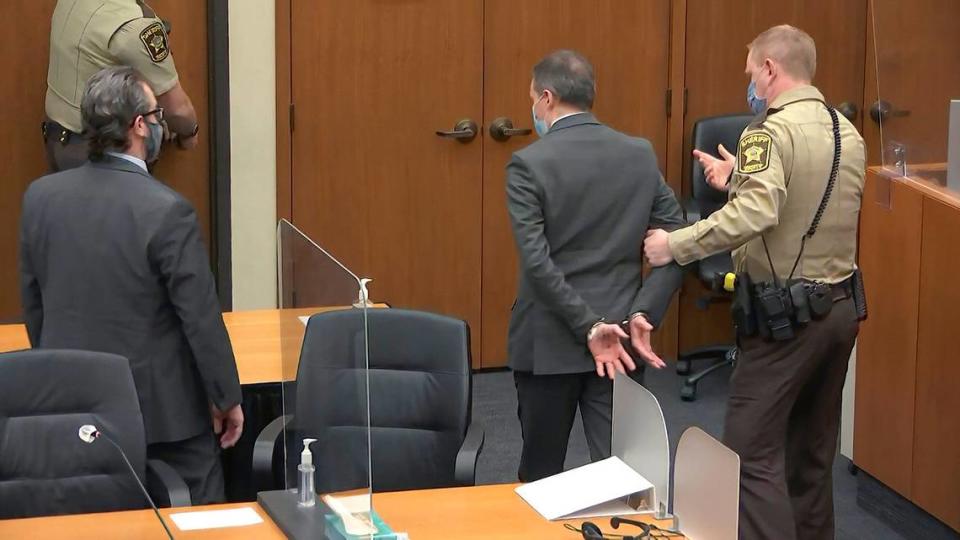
column 89, row 35
column 783, row 412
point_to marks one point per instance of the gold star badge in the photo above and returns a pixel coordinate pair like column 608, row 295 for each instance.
column 154, row 40
column 753, row 153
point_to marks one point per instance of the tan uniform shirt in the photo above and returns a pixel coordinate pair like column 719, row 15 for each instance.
column 89, row 35
column 783, row 164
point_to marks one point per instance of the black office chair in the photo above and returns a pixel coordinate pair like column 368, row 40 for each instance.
column 420, row 404
column 45, row 469
column 708, row 133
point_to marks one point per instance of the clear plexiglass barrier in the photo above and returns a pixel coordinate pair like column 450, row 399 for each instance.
column 917, row 54
column 325, row 384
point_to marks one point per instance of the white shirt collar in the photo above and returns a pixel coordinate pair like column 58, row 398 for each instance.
column 132, row 159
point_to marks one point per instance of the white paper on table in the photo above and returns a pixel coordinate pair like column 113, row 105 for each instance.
column 304, row 319
column 596, row 489
column 216, row 519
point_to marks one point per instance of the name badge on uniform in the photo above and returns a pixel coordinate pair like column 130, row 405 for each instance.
column 753, row 154
column 155, row 40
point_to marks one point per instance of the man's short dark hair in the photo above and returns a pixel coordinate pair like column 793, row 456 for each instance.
column 569, row 75
column 112, row 100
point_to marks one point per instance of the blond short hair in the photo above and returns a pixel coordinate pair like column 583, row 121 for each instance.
column 790, row 47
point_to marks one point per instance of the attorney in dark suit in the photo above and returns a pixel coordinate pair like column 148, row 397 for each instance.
column 112, row 260
column 580, row 201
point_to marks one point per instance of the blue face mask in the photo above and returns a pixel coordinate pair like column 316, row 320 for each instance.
column 153, row 142
column 539, row 124
column 757, row 104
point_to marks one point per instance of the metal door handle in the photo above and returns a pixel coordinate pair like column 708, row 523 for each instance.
column 883, row 110
column 502, row 129
column 464, row 131
column 849, row 110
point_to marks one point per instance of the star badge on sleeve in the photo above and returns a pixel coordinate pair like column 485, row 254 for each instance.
column 753, row 154
column 155, row 40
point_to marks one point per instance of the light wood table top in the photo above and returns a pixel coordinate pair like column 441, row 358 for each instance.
column 133, row 524
column 480, row 512
column 13, row 337
column 266, row 342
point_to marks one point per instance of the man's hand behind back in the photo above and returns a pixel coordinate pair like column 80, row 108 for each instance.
column 228, row 425
column 606, row 346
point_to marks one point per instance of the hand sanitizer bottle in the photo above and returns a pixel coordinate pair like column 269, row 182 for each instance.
column 308, row 495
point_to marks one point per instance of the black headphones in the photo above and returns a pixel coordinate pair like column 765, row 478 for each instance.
column 591, row 531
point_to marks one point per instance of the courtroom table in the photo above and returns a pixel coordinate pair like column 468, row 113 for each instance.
column 266, row 344
column 480, row 512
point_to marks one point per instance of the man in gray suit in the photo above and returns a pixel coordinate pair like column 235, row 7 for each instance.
column 112, row 260
column 580, row 201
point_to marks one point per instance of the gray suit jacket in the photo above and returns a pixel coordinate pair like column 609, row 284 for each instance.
column 112, row 260
column 581, row 200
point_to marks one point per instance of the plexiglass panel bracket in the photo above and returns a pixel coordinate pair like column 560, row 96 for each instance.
column 363, row 297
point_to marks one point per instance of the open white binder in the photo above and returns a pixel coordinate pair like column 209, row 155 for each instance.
column 633, row 481
column 636, row 479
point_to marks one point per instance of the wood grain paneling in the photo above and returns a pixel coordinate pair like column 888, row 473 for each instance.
column 887, row 347
column 701, row 327
column 632, row 79
column 284, row 99
column 936, row 443
column 918, row 64
column 372, row 82
column 22, row 88
column 189, row 171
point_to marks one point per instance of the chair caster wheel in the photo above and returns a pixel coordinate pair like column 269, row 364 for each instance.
column 688, row 392
column 683, row 367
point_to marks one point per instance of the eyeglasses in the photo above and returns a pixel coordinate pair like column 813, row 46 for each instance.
column 591, row 531
column 158, row 111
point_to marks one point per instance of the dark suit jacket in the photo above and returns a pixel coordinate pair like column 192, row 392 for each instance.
column 112, row 260
column 581, row 200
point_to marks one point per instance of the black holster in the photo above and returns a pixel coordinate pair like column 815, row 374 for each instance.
column 775, row 312
column 859, row 294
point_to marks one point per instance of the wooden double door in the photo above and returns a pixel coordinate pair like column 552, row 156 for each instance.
column 364, row 87
column 424, row 215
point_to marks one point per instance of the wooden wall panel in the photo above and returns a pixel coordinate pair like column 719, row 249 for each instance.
column 918, row 65
column 887, row 346
column 188, row 172
column 936, row 444
column 22, row 90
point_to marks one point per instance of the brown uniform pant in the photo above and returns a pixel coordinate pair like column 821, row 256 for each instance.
column 63, row 155
column 783, row 419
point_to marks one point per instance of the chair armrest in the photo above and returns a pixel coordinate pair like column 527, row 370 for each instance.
column 175, row 490
column 263, row 450
column 465, row 472
column 710, row 352
column 691, row 211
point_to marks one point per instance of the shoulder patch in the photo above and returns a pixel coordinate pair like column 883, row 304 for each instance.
column 753, row 153
column 155, row 41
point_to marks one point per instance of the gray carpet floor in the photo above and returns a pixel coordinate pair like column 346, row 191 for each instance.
column 495, row 407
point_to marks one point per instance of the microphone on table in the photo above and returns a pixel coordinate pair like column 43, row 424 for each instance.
column 89, row 433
